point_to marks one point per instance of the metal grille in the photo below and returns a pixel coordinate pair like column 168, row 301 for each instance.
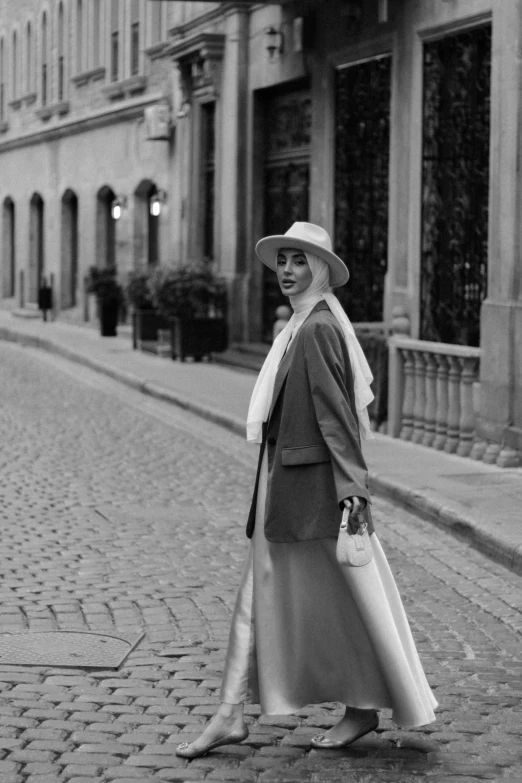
column 66, row 648
column 362, row 141
column 208, row 139
column 455, row 170
column 288, row 119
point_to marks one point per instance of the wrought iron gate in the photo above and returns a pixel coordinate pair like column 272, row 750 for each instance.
column 455, row 171
column 362, row 141
column 286, row 179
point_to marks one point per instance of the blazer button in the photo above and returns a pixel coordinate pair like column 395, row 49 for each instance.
column 271, row 441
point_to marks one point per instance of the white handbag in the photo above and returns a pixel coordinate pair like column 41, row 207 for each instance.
column 353, row 549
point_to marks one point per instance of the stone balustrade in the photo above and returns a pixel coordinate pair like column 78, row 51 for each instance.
column 432, row 393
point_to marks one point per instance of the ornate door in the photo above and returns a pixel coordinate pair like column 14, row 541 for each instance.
column 286, row 180
column 362, row 141
column 455, row 171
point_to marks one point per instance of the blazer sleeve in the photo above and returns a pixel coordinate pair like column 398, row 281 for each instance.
column 328, row 376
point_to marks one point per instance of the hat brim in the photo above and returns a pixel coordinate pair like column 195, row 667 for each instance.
column 268, row 247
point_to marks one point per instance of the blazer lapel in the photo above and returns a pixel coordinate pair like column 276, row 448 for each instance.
column 286, row 361
column 282, row 372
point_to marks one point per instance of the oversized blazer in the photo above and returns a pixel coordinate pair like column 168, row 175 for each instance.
column 312, row 437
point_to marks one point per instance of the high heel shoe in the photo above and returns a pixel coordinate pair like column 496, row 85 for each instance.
column 321, row 741
column 231, row 738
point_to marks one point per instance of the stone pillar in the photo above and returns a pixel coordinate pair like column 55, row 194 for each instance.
column 501, row 320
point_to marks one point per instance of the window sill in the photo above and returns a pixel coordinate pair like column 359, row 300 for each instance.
column 29, row 99
column 125, row 88
column 155, row 51
column 46, row 112
column 92, row 75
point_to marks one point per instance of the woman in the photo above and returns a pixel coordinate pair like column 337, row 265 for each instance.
column 305, row 629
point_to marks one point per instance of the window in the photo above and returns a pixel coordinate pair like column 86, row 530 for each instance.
column 44, row 75
column 115, row 39
column 15, row 67
column 2, row 82
column 156, row 11
column 61, row 64
column 96, row 37
column 29, row 58
column 79, row 36
column 135, row 37
column 208, row 158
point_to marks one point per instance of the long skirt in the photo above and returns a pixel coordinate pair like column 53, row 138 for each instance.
column 306, row 630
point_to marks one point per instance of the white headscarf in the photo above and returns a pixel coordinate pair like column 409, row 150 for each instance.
column 302, row 305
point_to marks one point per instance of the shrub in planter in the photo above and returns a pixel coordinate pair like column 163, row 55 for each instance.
column 146, row 321
column 194, row 300
column 103, row 283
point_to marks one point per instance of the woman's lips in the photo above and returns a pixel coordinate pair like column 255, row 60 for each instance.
column 288, row 283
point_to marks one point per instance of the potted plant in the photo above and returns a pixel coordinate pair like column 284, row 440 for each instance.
column 146, row 320
column 194, row 300
column 103, row 283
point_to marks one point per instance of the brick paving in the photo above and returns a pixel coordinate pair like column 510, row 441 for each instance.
column 119, row 514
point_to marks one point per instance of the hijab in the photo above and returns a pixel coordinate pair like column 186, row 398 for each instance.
column 302, row 305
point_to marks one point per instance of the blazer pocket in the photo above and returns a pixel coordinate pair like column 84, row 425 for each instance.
column 304, row 455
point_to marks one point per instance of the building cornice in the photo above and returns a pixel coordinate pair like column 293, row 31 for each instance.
column 120, row 113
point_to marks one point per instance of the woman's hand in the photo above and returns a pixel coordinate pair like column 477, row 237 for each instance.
column 355, row 505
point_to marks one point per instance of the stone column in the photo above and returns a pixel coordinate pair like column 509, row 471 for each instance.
column 431, row 399
column 452, row 441
column 441, row 419
column 500, row 417
column 409, row 396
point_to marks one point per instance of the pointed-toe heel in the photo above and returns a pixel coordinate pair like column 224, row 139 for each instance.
column 185, row 751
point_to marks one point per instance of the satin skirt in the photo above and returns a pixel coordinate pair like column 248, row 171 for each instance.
column 306, row 630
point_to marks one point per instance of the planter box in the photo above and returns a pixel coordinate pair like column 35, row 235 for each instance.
column 197, row 337
column 145, row 326
column 109, row 320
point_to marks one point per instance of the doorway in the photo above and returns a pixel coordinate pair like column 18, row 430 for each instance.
column 287, row 119
column 8, row 249
column 36, row 246
column 105, row 228
column 69, row 250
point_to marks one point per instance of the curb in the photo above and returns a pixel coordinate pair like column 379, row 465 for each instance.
column 463, row 527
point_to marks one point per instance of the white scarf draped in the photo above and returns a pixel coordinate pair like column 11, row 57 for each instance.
column 302, row 305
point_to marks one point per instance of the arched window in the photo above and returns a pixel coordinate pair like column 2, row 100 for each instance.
column 96, row 32
column 2, row 82
column 45, row 74
column 79, row 36
column 156, row 26
column 29, row 58
column 135, row 37
column 61, row 60
column 115, row 40
column 14, row 72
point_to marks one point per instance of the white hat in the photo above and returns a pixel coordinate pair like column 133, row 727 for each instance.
column 311, row 239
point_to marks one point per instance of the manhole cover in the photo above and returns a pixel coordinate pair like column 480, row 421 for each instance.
column 80, row 649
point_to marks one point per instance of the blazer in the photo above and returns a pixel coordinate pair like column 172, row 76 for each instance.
column 312, row 437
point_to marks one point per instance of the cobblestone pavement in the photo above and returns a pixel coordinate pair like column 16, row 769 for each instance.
column 120, row 512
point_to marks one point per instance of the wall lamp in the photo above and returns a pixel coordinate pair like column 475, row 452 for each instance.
column 157, row 202
column 275, row 41
column 117, row 207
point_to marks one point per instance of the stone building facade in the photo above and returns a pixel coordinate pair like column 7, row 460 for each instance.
column 393, row 123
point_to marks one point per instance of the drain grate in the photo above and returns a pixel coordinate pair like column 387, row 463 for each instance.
column 79, row 649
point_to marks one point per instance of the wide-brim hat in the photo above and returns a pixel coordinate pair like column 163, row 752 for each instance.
column 309, row 238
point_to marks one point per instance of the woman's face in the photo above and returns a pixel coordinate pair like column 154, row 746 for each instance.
column 293, row 273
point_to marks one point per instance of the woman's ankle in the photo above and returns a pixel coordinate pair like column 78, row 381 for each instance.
column 231, row 711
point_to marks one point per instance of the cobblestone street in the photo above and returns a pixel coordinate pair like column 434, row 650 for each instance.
column 121, row 512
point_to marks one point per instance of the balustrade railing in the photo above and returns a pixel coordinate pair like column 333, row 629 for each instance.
column 432, row 393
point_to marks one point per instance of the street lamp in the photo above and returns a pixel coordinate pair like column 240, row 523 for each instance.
column 275, row 41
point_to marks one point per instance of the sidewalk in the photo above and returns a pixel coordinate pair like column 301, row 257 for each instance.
column 480, row 503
